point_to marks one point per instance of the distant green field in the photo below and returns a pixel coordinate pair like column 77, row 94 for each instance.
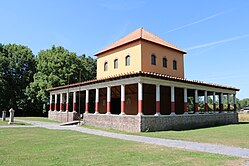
column 232, row 135
column 38, row 146
column 41, row 119
column 5, row 123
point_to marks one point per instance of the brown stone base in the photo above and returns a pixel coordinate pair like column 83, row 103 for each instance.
column 63, row 116
column 134, row 123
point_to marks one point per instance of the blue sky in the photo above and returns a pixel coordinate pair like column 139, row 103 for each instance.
column 215, row 33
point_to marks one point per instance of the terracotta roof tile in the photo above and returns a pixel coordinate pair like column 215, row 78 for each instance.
column 146, row 74
column 140, row 33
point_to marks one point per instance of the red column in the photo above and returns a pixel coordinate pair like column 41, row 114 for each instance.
column 206, row 101
column 158, row 100
column 185, row 93
column 140, row 98
column 235, row 107
column 196, row 101
column 122, row 100
column 185, row 107
column 96, row 101
column 196, row 107
column 221, row 102
column 206, row 107
column 67, row 102
column 61, row 102
column 55, row 102
column 222, row 107
column 87, row 100
column 172, row 100
column 50, row 103
column 214, row 107
column 74, row 101
column 108, row 104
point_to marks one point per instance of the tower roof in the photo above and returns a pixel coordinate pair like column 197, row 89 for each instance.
column 140, row 33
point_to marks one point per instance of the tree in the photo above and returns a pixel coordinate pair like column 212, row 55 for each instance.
column 56, row 67
column 17, row 66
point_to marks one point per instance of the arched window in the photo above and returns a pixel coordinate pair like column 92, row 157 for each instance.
column 127, row 60
column 106, row 66
column 115, row 63
column 153, row 59
column 165, row 62
column 174, row 65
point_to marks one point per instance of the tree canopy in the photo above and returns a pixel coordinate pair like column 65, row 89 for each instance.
column 56, row 67
column 16, row 72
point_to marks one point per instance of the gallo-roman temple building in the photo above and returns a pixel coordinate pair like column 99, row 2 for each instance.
column 140, row 86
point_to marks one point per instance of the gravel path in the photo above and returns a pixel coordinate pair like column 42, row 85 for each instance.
column 17, row 126
column 201, row 147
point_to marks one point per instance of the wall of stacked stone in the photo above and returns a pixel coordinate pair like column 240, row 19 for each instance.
column 130, row 123
column 181, row 122
column 63, row 116
column 134, row 123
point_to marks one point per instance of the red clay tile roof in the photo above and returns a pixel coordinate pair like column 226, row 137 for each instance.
column 146, row 74
column 139, row 34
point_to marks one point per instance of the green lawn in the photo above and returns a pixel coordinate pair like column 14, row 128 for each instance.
column 38, row 146
column 5, row 123
column 41, row 119
column 232, row 135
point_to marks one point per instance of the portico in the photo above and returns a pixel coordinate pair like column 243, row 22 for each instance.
column 137, row 90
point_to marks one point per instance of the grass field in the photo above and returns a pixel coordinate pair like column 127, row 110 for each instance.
column 5, row 123
column 232, row 135
column 38, row 146
column 41, row 119
column 244, row 117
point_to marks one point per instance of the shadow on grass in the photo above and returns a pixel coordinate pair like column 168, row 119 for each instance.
column 243, row 123
column 20, row 123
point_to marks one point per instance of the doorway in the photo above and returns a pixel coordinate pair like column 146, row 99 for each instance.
column 115, row 105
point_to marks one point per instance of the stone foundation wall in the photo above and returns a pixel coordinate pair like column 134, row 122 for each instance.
column 190, row 121
column 125, row 122
column 63, row 116
column 134, row 123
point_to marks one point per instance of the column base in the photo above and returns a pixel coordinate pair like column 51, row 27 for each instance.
column 85, row 113
column 122, row 113
column 197, row 112
column 157, row 114
column 108, row 113
column 10, row 123
column 172, row 114
column 185, row 113
column 140, row 114
column 225, row 112
column 74, row 111
column 95, row 113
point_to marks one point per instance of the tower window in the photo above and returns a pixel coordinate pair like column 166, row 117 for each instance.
column 127, row 60
column 174, row 65
column 106, row 66
column 165, row 62
column 153, row 59
column 115, row 63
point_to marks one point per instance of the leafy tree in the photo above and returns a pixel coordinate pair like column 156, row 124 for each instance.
column 243, row 103
column 16, row 72
column 56, row 67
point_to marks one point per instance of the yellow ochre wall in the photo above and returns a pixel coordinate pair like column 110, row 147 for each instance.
column 159, row 51
column 133, row 49
column 140, row 52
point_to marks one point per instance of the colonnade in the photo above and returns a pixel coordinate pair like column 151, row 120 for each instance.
column 140, row 100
